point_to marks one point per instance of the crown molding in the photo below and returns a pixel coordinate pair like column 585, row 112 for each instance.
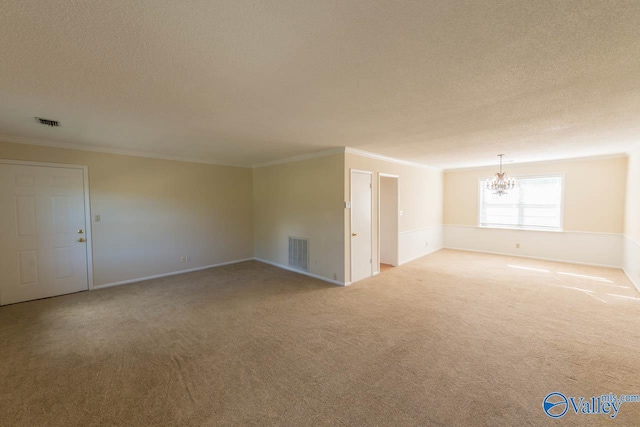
column 339, row 150
column 537, row 162
column 316, row 154
column 324, row 153
column 108, row 150
column 375, row 156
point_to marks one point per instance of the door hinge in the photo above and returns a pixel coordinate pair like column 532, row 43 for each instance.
column 370, row 260
column 370, row 185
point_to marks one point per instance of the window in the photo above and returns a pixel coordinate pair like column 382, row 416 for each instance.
column 534, row 204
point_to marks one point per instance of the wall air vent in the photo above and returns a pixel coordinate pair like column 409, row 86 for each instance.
column 299, row 253
column 47, row 122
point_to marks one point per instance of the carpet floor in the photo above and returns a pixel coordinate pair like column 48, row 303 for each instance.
column 452, row 339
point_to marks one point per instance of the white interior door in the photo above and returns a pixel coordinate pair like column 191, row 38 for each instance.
column 43, row 248
column 361, row 226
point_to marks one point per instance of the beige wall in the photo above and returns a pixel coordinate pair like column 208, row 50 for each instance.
column 632, row 215
column 594, row 197
column 301, row 199
column 632, row 220
column 156, row 211
column 420, row 191
column 389, row 220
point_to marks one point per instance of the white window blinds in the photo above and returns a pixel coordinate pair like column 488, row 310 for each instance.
column 534, row 204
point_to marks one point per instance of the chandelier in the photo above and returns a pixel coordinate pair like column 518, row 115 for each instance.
column 501, row 183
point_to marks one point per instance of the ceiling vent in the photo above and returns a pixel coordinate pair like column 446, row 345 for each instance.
column 52, row 123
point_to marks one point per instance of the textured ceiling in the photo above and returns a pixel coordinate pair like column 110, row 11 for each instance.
column 444, row 83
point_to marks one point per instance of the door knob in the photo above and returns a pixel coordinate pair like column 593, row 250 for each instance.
column 82, row 240
column 354, row 234
column 81, row 231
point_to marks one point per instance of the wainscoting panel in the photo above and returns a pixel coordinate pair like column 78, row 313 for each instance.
column 418, row 243
column 632, row 260
column 601, row 249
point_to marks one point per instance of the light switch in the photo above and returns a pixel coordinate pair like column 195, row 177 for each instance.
column 347, row 205
column 98, row 218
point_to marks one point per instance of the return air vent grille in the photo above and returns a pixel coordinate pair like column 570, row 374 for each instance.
column 299, row 253
column 48, row 122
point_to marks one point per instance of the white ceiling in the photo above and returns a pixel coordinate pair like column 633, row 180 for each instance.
column 445, row 83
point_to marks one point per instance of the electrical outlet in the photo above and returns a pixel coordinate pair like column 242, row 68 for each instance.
column 517, row 245
column 98, row 218
column 188, row 258
column 335, row 276
column 426, row 243
column 183, row 259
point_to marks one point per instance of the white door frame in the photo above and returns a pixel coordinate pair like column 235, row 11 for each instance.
column 397, row 177
column 351, row 171
column 87, row 205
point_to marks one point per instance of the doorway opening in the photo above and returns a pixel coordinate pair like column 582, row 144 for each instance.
column 388, row 222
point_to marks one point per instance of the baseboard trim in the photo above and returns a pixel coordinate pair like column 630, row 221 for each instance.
column 306, row 273
column 419, row 256
column 533, row 257
column 636, row 284
column 173, row 273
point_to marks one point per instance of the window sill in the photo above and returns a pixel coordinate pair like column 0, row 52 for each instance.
column 492, row 227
